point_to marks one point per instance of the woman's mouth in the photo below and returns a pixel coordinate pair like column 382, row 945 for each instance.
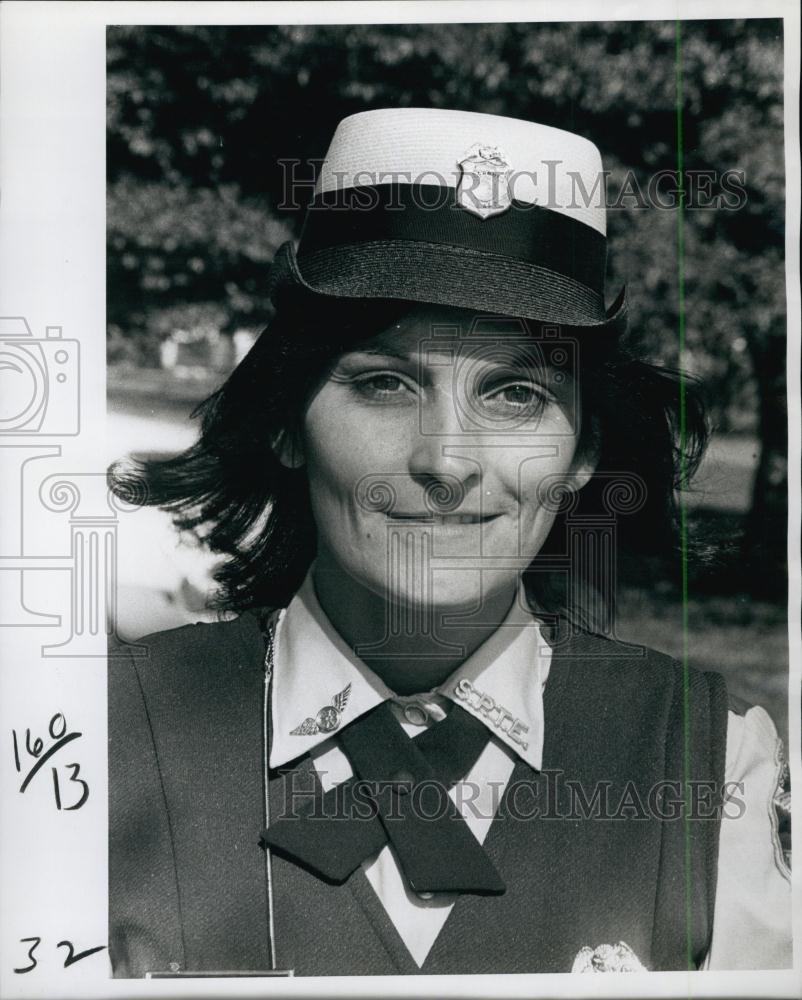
column 442, row 519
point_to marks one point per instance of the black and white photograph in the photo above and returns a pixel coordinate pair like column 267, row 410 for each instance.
column 429, row 606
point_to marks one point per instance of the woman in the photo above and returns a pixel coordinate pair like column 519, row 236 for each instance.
column 420, row 748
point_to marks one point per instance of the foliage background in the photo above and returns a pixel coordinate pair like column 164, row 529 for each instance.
column 200, row 118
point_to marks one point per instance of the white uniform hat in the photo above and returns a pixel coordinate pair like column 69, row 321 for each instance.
column 457, row 208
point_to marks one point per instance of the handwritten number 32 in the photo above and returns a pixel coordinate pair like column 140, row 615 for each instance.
column 72, row 955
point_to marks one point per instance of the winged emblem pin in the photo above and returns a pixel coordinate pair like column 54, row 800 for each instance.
column 327, row 719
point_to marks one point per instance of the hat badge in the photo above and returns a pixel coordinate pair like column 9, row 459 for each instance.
column 484, row 186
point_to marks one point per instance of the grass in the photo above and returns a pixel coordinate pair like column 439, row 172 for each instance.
column 744, row 640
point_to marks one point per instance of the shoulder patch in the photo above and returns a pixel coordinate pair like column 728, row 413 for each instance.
column 781, row 813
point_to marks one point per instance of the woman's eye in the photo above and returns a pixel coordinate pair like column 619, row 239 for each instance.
column 382, row 385
column 517, row 396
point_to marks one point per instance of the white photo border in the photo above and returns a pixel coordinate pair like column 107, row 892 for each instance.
column 52, row 259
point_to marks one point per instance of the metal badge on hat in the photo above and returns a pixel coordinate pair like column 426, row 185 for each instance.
column 484, row 187
column 327, row 719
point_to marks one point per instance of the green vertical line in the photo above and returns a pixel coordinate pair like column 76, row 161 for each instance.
column 683, row 525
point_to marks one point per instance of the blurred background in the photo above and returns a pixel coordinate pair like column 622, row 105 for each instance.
column 201, row 124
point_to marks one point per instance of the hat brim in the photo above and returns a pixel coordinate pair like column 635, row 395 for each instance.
column 441, row 275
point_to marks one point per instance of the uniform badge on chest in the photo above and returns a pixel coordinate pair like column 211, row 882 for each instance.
column 608, row 958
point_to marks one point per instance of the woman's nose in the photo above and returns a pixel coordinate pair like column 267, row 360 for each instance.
column 440, row 448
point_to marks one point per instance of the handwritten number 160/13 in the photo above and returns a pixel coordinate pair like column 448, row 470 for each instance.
column 37, row 753
column 70, row 959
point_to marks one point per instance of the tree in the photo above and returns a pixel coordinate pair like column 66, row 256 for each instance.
column 202, row 118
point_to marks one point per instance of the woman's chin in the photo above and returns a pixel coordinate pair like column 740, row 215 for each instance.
column 439, row 590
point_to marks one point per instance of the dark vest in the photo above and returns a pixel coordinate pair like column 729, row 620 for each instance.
column 595, row 849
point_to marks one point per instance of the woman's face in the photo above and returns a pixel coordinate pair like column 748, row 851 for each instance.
column 427, row 451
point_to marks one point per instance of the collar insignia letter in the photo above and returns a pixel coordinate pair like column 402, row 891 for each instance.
column 327, row 719
column 484, row 187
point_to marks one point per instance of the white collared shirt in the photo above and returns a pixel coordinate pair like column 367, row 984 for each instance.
column 502, row 684
column 497, row 683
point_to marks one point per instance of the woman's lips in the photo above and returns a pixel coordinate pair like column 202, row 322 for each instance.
column 442, row 519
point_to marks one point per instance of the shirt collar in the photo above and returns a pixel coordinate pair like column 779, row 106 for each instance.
column 502, row 682
column 319, row 685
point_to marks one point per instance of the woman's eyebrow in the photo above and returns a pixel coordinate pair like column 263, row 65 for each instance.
column 384, row 351
column 512, row 355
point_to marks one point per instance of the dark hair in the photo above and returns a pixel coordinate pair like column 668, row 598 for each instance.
column 230, row 490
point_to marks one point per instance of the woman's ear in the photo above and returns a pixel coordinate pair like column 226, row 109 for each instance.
column 287, row 448
column 580, row 473
column 583, row 465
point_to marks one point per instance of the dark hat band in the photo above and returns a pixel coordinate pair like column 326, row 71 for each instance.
column 431, row 215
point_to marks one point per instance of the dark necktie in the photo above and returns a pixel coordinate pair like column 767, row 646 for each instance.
column 397, row 794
